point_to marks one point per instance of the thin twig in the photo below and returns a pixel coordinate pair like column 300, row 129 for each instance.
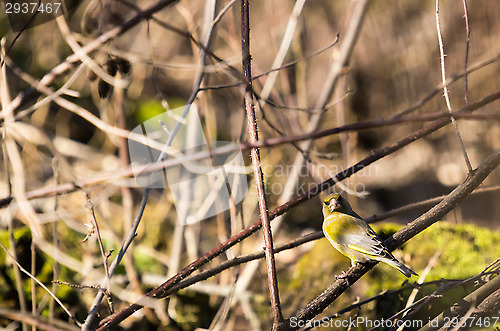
column 95, row 227
column 84, row 57
column 465, row 318
column 411, row 298
column 454, row 77
column 467, row 43
column 283, row 50
column 33, row 284
column 445, row 89
column 270, row 71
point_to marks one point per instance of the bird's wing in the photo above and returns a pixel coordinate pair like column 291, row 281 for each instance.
column 363, row 239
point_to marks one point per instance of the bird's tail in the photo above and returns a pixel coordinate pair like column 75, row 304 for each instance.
column 400, row 266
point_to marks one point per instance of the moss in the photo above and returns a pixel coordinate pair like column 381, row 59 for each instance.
column 152, row 108
column 148, row 110
column 465, row 249
column 193, row 310
column 147, row 264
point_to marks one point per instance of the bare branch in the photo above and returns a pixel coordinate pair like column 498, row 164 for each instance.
column 257, row 164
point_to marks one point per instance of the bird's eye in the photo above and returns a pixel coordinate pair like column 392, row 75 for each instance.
column 326, row 203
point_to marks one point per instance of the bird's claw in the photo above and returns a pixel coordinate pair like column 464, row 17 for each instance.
column 343, row 275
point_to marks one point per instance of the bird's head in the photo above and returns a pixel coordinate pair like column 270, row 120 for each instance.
column 335, row 203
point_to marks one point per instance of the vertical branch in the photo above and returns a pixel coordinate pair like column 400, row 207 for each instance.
column 256, row 163
column 5, row 103
column 467, row 42
column 95, row 229
column 17, row 271
column 33, row 284
column 445, row 88
column 127, row 199
column 283, row 50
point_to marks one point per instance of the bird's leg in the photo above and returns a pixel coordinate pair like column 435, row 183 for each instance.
column 342, row 275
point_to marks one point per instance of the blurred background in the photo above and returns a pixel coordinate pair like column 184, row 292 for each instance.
column 394, row 70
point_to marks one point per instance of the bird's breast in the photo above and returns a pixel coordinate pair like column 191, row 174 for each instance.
column 336, row 226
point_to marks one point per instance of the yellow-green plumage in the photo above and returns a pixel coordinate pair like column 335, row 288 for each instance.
column 353, row 237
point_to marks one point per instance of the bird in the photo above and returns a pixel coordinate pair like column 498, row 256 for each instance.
column 353, row 237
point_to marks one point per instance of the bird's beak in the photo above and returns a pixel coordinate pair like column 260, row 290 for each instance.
column 334, row 204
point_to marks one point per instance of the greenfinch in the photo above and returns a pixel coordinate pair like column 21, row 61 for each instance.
column 353, row 237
